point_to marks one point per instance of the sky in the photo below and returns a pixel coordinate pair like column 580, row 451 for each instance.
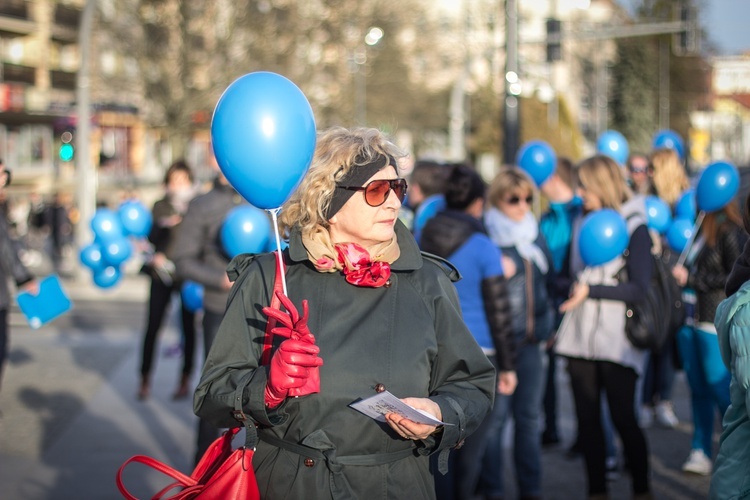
column 726, row 22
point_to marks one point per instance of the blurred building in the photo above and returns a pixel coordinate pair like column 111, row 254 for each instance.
column 724, row 132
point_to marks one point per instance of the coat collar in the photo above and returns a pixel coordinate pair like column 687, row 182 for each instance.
column 409, row 260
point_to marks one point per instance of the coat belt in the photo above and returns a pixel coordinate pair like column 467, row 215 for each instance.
column 340, row 487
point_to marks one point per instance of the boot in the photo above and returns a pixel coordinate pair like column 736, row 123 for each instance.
column 144, row 391
column 183, row 390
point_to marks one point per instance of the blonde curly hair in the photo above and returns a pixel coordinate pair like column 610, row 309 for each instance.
column 668, row 175
column 337, row 151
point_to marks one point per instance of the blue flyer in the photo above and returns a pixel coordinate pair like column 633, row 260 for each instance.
column 48, row 304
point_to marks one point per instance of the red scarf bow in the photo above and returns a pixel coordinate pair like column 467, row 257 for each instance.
column 359, row 269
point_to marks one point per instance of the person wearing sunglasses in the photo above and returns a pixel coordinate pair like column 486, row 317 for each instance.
column 367, row 312
column 639, row 173
column 513, row 227
column 11, row 268
column 458, row 234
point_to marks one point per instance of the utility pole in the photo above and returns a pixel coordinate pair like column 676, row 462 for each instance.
column 86, row 172
column 511, row 115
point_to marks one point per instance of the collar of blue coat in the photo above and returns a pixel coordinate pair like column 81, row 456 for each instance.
column 409, row 260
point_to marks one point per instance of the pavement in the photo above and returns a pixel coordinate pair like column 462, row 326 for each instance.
column 70, row 416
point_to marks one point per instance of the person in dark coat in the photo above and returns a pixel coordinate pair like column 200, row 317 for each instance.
column 458, row 235
column 381, row 316
column 167, row 217
column 11, row 267
column 199, row 256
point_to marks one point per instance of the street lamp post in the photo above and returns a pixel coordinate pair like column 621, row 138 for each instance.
column 86, row 172
column 511, row 114
column 373, row 36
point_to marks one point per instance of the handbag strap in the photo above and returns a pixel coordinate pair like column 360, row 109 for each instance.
column 182, row 480
column 278, row 286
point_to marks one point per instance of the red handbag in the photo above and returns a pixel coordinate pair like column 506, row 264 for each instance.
column 222, row 473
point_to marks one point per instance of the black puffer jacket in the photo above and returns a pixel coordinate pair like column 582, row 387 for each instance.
column 443, row 235
column 710, row 271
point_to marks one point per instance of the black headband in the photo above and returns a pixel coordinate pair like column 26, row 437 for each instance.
column 356, row 176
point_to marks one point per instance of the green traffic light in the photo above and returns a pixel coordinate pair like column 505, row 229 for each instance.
column 66, row 152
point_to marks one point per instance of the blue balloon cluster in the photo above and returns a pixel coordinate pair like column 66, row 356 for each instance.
column 112, row 245
column 613, row 144
column 538, row 159
column 603, row 236
column 263, row 135
column 246, row 229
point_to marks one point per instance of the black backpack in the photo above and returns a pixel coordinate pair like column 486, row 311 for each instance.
column 652, row 321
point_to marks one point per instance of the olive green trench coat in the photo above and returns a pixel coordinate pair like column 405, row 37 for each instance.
column 408, row 336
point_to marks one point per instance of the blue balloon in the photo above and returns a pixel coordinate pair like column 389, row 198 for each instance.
column 613, row 144
column 717, row 186
column 679, row 233
column 192, row 296
column 658, row 214
column 91, row 256
column 263, row 136
column 116, row 251
column 245, row 230
column 538, row 159
column 107, row 277
column 669, row 139
column 686, row 208
column 106, row 224
column 603, row 236
column 135, row 218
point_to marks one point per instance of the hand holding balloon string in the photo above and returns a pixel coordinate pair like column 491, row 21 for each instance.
column 294, row 368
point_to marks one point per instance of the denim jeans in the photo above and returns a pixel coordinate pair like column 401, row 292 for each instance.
column 524, row 406
column 659, row 375
column 708, row 379
column 465, row 463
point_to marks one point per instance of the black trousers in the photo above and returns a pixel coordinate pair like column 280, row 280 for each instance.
column 588, row 378
column 158, row 302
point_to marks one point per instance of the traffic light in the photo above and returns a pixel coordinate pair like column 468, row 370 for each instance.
column 554, row 48
column 67, row 151
column 688, row 40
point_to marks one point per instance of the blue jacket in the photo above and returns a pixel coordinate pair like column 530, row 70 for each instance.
column 731, row 476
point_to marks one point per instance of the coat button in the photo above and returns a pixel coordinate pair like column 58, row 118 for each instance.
column 379, row 388
column 388, row 283
column 309, row 462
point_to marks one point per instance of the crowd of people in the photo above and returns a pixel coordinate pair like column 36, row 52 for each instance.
column 500, row 265
column 460, row 295
column 617, row 388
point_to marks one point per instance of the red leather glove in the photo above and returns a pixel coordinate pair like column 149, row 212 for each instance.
column 307, row 380
column 290, row 368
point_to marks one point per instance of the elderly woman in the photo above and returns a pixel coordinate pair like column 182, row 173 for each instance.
column 381, row 316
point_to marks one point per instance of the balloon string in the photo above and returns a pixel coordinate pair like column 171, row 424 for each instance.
column 693, row 234
column 279, row 255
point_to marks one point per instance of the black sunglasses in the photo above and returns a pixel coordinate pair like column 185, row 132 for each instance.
column 515, row 200
column 376, row 192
